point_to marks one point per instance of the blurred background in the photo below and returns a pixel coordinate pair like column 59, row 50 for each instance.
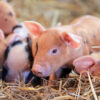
column 50, row 12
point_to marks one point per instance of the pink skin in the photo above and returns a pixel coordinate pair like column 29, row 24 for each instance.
column 73, row 41
column 83, row 64
column 44, row 65
column 1, row 34
column 41, row 71
column 89, row 63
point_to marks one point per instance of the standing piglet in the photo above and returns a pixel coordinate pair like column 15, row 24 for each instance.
column 55, row 47
column 89, row 63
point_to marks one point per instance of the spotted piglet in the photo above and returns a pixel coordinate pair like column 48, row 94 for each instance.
column 18, row 58
column 21, row 30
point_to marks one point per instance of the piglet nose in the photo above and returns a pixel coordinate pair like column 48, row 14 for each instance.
column 37, row 70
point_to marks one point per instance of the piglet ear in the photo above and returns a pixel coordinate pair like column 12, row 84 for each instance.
column 1, row 35
column 34, row 28
column 72, row 40
column 84, row 63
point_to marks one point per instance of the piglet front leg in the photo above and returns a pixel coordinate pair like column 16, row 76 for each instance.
column 62, row 72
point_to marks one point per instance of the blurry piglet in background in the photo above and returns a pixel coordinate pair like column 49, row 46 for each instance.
column 89, row 63
column 7, row 17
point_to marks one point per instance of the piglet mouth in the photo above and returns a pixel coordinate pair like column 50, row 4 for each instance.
column 39, row 74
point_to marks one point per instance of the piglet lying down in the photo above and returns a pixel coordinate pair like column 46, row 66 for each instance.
column 89, row 63
column 55, row 47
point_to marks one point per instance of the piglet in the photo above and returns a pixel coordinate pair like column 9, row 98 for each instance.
column 89, row 63
column 54, row 47
column 7, row 17
column 4, row 43
column 21, row 30
column 18, row 58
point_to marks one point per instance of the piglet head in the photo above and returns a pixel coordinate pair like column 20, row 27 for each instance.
column 89, row 63
column 50, row 48
column 7, row 17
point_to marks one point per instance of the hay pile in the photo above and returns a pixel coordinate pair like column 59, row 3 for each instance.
column 73, row 88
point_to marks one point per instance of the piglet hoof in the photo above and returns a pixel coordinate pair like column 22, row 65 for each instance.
column 52, row 83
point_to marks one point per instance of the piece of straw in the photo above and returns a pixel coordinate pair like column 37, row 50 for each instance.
column 92, row 88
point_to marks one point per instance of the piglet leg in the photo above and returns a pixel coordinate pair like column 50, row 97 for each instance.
column 51, row 79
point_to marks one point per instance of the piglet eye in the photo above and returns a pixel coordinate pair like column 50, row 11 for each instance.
column 54, row 51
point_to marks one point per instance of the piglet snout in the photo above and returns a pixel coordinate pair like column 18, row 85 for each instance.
column 37, row 69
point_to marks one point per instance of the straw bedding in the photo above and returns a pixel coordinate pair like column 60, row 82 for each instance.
column 49, row 13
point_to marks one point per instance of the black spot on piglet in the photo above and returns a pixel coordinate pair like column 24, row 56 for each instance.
column 16, row 43
column 16, row 26
column 7, row 52
column 4, row 72
column 12, row 45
